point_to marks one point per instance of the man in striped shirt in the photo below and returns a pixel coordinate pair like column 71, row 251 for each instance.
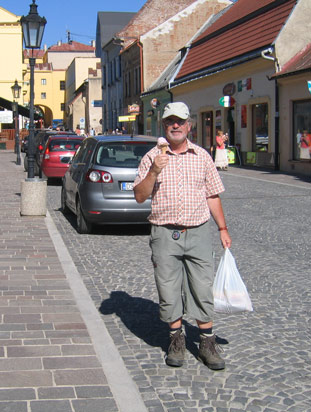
column 185, row 186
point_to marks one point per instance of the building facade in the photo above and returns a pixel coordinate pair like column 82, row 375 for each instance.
column 226, row 78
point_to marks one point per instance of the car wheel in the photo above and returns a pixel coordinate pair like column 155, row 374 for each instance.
column 83, row 226
column 64, row 206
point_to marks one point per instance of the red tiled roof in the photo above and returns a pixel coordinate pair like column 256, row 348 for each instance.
column 301, row 61
column 224, row 40
column 43, row 66
column 72, row 46
column 37, row 53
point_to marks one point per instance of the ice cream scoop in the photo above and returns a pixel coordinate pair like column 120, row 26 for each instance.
column 162, row 144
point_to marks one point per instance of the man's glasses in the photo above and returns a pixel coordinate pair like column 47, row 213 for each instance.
column 171, row 122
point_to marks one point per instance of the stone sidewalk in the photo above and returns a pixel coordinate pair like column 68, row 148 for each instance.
column 55, row 352
column 57, row 355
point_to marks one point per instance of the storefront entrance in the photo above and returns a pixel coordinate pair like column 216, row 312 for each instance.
column 207, row 130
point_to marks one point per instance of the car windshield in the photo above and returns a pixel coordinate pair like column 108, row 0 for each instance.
column 125, row 154
column 60, row 145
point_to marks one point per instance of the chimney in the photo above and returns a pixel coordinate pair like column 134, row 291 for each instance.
column 59, row 43
column 93, row 43
column 45, row 47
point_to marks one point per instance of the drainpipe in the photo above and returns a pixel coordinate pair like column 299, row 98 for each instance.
column 277, row 117
column 141, row 79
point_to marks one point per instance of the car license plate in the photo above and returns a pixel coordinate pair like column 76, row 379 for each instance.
column 127, row 185
column 65, row 159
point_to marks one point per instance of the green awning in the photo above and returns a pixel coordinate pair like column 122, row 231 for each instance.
column 23, row 111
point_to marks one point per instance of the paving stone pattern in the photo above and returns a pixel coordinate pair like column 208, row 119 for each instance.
column 268, row 364
column 47, row 361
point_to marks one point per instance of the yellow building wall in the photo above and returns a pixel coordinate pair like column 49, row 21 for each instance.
column 11, row 46
column 47, row 93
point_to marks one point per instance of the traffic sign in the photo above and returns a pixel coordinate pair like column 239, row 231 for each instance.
column 226, row 101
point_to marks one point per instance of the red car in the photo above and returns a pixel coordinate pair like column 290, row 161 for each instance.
column 57, row 153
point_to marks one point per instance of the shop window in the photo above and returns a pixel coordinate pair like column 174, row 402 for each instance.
column 302, row 130
column 260, row 127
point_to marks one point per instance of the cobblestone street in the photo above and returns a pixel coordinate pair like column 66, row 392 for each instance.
column 268, row 361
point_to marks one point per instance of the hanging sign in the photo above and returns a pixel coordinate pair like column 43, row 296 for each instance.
column 229, row 89
column 226, row 101
column 130, row 118
column 133, row 108
column 309, row 85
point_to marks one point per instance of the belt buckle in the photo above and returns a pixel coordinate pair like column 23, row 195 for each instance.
column 176, row 234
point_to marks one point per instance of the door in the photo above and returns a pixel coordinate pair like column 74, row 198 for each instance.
column 207, row 130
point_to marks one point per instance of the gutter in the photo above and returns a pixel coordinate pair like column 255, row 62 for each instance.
column 217, row 68
column 270, row 50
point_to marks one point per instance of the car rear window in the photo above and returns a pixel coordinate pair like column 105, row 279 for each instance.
column 122, row 154
column 64, row 145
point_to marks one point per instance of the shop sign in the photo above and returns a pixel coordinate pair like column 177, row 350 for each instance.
column 226, row 101
column 231, row 155
column 245, row 84
column 6, row 116
column 133, row 108
column 309, row 85
column 130, row 118
column 229, row 89
column 154, row 103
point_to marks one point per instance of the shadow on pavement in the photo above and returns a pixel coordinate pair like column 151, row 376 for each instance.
column 141, row 317
column 112, row 230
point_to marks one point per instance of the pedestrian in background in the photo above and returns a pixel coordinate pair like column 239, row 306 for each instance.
column 221, row 158
column 185, row 187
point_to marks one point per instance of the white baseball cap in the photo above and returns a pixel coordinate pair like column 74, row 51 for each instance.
column 178, row 109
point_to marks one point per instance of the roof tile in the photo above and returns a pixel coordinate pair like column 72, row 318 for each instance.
column 255, row 32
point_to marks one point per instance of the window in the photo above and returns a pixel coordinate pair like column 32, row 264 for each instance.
column 121, row 155
column 104, row 77
column 62, row 107
column 43, row 82
column 137, row 80
column 43, row 95
column 260, row 127
column 62, row 85
column 302, row 130
column 118, row 67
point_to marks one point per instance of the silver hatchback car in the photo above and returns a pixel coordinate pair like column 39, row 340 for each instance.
column 98, row 186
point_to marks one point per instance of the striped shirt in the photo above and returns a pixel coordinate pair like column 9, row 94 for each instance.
column 181, row 190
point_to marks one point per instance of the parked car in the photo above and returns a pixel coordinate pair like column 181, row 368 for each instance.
column 40, row 138
column 98, row 186
column 57, row 154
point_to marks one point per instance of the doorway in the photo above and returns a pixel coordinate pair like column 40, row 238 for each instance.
column 207, row 130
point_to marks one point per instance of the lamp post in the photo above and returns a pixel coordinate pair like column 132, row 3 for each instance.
column 16, row 91
column 33, row 29
column 33, row 190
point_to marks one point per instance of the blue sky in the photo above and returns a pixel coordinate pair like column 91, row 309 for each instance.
column 77, row 16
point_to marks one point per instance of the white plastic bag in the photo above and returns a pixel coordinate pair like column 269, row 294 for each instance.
column 230, row 293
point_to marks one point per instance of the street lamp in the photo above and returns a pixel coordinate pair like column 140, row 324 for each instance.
column 16, row 91
column 33, row 29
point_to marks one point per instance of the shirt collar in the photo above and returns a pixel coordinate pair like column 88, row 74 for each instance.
column 190, row 147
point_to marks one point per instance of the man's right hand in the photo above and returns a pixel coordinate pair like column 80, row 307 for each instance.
column 160, row 161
